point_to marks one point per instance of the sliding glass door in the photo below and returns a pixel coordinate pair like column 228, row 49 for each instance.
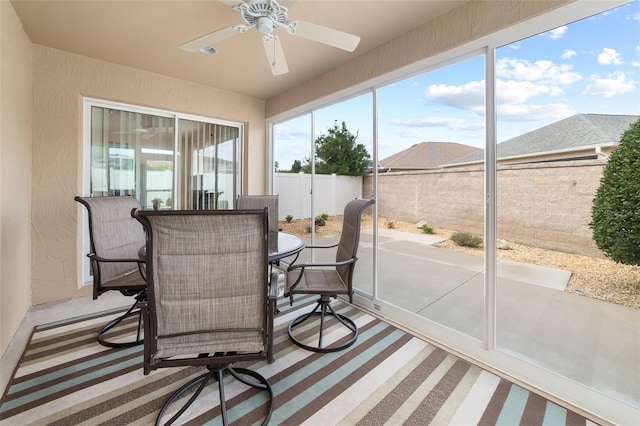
column 166, row 161
column 430, row 200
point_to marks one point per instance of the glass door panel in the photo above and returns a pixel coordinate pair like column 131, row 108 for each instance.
column 565, row 97
column 431, row 195
column 209, row 165
column 131, row 154
column 291, row 149
column 339, row 177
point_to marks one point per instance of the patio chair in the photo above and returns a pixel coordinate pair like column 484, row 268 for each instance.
column 210, row 300
column 328, row 280
column 260, row 202
column 115, row 238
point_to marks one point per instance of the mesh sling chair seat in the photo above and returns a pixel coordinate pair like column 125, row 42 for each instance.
column 328, row 280
column 115, row 238
column 210, row 300
column 245, row 202
column 259, row 202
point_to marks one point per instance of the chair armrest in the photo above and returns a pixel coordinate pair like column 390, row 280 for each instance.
column 308, row 265
column 273, row 286
column 97, row 258
column 323, row 247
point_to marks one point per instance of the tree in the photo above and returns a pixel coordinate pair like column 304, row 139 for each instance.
column 337, row 152
column 615, row 214
column 296, row 167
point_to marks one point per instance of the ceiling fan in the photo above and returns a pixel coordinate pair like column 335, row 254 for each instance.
column 267, row 16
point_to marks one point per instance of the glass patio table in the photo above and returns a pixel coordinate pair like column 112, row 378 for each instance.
column 281, row 245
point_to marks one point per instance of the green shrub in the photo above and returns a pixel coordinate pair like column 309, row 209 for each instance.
column 615, row 214
column 426, row 229
column 465, row 239
column 319, row 221
column 324, row 216
column 308, row 228
column 289, row 218
column 391, row 224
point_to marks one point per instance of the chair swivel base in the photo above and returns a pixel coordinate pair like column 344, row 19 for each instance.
column 130, row 313
column 323, row 308
column 217, row 373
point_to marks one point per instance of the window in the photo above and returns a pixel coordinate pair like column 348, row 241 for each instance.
column 527, row 84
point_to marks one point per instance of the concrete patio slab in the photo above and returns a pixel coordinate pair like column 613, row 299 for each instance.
column 592, row 342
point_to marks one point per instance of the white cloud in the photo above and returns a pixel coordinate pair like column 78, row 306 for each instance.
column 411, row 133
column 469, row 96
column 543, row 71
column 511, row 96
column 558, row 32
column 610, row 85
column 514, row 112
column 568, row 54
column 449, row 123
column 512, row 91
column 635, row 64
column 609, row 57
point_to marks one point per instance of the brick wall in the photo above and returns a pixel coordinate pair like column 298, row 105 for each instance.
column 544, row 205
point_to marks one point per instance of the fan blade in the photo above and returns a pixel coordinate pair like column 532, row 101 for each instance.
column 325, row 35
column 275, row 55
column 209, row 39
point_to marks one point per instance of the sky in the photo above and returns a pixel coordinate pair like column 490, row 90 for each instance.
column 589, row 66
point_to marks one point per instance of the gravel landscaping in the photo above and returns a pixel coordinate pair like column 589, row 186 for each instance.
column 601, row 279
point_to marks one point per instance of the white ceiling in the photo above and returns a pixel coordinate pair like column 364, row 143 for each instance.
column 147, row 34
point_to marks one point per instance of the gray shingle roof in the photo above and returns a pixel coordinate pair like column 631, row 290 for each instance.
column 580, row 130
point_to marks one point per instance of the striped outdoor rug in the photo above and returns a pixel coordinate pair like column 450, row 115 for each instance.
column 388, row 377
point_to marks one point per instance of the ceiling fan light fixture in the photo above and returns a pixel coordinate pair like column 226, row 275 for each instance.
column 264, row 25
column 208, row 50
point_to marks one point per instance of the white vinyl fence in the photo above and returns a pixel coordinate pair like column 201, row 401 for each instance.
column 332, row 193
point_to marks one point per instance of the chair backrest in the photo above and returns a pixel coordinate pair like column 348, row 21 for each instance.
column 259, row 202
column 113, row 234
column 350, row 237
column 206, row 281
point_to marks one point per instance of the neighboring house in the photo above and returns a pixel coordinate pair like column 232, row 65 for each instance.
column 579, row 137
column 426, row 155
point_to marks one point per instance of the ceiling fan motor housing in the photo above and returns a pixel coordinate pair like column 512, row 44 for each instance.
column 264, row 14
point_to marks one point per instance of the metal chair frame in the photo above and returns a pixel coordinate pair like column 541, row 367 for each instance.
column 132, row 282
column 342, row 284
column 218, row 364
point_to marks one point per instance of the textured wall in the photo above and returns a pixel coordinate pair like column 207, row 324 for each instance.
column 15, row 173
column 543, row 205
column 60, row 81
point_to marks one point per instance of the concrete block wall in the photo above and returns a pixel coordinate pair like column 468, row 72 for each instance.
column 544, row 205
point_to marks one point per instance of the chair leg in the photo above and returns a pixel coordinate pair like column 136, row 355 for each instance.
column 131, row 312
column 323, row 308
column 216, row 372
column 202, row 380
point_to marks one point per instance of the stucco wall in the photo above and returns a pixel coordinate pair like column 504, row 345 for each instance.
column 468, row 22
column 15, row 173
column 60, row 81
column 545, row 205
